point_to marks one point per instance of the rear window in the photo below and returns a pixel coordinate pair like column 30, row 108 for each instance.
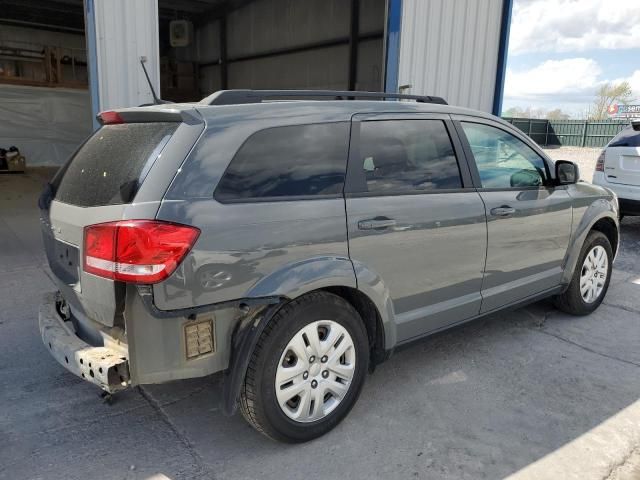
column 292, row 161
column 626, row 138
column 110, row 167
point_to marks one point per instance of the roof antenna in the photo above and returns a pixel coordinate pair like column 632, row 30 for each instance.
column 156, row 100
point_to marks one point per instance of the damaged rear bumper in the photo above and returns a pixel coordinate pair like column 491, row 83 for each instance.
column 102, row 366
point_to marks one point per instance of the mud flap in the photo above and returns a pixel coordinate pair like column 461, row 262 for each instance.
column 243, row 341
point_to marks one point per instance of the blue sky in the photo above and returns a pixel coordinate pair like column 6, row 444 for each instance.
column 560, row 51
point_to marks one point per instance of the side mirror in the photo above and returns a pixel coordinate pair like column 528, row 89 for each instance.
column 566, row 172
column 635, row 124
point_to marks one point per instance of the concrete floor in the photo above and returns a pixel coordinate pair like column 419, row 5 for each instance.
column 531, row 393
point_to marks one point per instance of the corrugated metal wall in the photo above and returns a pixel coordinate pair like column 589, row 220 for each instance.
column 273, row 25
column 449, row 48
column 125, row 30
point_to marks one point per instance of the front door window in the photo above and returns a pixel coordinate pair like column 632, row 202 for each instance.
column 503, row 160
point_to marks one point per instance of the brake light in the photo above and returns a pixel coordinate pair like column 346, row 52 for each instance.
column 600, row 162
column 110, row 118
column 136, row 251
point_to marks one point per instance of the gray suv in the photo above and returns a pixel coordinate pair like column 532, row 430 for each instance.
column 293, row 244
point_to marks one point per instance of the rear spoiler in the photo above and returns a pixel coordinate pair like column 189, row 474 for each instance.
column 149, row 115
column 635, row 124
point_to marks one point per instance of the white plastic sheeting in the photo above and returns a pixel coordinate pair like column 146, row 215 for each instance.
column 46, row 124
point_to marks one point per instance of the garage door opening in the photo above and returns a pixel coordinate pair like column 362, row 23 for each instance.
column 42, row 44
column 45, row 108
column 210, row 45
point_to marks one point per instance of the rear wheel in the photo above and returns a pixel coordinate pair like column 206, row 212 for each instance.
column 591, row 277
column 307, row 369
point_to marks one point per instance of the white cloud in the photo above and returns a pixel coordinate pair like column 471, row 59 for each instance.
column 572, row 76
column 634, row 81
column 574, row 25
column 570, row 84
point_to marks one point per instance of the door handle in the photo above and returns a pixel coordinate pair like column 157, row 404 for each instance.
column 503, row 211
column 376, row 223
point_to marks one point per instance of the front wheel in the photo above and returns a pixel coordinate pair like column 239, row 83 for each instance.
column 591, row 277
column 307, row 369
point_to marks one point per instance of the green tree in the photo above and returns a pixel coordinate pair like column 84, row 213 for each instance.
column 513, row 112
column 557, row 114
column 607, row 95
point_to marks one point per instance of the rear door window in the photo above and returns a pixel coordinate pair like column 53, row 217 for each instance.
column 407, row 156
column 291, row 161
column 110, row 167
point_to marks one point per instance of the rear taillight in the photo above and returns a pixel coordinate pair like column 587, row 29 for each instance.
column 136, row 251
column 600, row 162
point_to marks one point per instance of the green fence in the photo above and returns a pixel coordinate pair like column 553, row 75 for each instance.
column 577, row 133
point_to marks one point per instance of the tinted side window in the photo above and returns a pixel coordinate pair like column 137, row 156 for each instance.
column 626, row 138
column 503, row 160
column 296, row 160
column 407, row 155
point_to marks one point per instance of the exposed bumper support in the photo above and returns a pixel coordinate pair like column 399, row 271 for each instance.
column 102, row 366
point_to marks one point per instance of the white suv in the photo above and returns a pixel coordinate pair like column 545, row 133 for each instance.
column 618, row 168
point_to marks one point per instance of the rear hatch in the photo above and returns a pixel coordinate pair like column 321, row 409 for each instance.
column 120, row 162
column 622, row 158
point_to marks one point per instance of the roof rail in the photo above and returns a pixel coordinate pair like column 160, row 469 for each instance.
column 235, row 97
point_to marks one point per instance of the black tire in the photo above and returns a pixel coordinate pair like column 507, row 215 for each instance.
column 258, row 402
column 571, row 300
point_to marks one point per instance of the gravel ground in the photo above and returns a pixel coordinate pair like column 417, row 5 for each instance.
column 585, row 158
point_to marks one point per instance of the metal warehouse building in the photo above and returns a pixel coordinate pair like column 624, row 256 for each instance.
column 62, row 61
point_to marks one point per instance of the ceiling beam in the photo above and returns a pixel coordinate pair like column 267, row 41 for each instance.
column 42, row 26
column 43, row 14
column 218, row 11
column 43, row 6
column 191, row 6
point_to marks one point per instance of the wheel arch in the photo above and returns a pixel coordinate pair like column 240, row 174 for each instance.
column 354, row 281
column 608, row 226
column 298, row 278
column 370, row 317
column 331, row 274
column 600, row 216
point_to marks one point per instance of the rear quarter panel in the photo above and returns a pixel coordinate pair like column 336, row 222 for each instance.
column 256, row 249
